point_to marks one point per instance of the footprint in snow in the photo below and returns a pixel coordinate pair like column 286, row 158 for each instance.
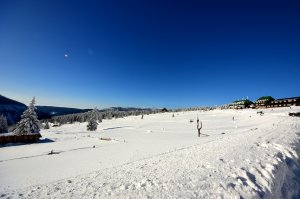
column 231, row 185
column 242, row 181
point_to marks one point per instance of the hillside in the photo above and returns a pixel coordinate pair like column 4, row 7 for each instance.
column 13, row 109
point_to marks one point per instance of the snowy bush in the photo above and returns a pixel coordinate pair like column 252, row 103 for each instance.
column 47, row 126
column 92, row 121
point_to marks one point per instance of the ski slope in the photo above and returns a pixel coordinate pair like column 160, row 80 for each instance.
column 160, row 156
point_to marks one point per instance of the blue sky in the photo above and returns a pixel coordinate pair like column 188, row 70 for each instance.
column 148, row 53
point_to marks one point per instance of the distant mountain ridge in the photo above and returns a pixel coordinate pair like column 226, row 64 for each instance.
column 13, row 110
column 7, row 101
column 56, row 111
column 124, row 109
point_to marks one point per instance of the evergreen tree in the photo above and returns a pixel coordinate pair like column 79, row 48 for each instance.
column 100, row 118
column 3, row 124
column 92, row 121
column 47, row 125
column 29, row 124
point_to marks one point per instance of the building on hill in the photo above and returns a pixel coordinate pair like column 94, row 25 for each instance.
column 240, row 104
column 264, row 101
column 285, row 102
column 164, row 110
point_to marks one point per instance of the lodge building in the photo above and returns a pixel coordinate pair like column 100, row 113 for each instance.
column 266, row 102
column 240, row 104
column 261, row 102
column 285, row 102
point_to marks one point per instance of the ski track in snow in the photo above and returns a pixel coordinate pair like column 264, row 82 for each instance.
column 257, row 159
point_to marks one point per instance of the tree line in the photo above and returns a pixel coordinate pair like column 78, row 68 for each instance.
column 29, row 123
column 99, row 115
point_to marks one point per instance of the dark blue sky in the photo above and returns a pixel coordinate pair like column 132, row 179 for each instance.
column 148, row 53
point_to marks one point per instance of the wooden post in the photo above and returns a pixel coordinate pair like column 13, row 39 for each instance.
column 199, row 128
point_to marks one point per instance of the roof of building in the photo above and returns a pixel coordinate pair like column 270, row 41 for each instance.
column 265, row 98
column 288, row 98
column 240, row 102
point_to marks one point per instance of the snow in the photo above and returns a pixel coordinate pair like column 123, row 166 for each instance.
column 161, row 156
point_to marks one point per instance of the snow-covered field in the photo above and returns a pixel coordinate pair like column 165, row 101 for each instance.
column 161, row 157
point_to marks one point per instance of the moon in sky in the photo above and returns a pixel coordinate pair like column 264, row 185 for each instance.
column 66, row 55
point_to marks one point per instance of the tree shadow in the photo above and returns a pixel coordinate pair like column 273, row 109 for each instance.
column 40, row 141
column 45, row 140
column 118, row 127
column 204, row 135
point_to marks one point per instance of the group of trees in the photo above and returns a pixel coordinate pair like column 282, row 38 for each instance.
column 206, row 108
column 99, row 115
column 29, row 123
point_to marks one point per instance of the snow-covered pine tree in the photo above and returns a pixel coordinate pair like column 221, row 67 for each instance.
column 29, row 124
column 47, row 126
column 3, row 124
column 99, row 118
column 92, row 121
